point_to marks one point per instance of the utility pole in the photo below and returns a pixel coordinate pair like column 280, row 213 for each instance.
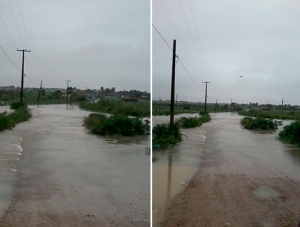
column 215, row 106
column 282, row 109
column 40, row 92
column 231, row 105
column 22, row 76
column 205, row 95
column 173, row 83
column 68, row 90
column 176, row 99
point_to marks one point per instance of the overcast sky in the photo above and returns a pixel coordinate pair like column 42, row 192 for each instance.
column 258, row 40
column 93, row 43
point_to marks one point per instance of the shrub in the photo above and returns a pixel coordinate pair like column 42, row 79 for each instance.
column 258, row 123
column 192, row 122
column 116, row 124
column 165, row 134
column 8, row 121
column 291, row 133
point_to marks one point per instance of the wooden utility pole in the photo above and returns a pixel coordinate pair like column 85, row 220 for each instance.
column 173, row 83
column 205, row 95
column 40, row 92
column 282, row 109
column 215, row 106
column 68, row 90
column 22, row 76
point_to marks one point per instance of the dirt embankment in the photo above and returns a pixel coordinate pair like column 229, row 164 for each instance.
column 221, row 195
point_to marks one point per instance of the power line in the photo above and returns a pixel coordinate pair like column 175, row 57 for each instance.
column 16, row 21
column 10, row 59
column 199, row 39
column 8, row 32
column 192, row 36
column 23, row 24
column 189, row 74
column 161, row 36
column 180, row 38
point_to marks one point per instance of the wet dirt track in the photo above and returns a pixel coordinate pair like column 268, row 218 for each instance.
column 244, row 179
column 68, row 177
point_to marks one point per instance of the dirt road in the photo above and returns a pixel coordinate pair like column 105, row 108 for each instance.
column 244, row 179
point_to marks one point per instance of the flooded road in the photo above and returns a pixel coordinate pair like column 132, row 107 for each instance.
column 244, row 178
column 175, row 166
column 54, row 173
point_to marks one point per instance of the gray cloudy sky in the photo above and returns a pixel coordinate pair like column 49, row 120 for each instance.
column 258, row 40
column 93, row 43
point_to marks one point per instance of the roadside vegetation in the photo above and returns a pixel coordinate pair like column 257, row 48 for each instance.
column 165, row 134
column 258, row 123
column 9, row 120
column 273, row 114
column 291, row 133
column 192, row 122
column 136, row 109
column 159, row 109
column 116, row 124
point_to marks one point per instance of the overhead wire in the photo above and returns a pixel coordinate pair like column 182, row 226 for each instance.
column 23, row 24
column 8, row 32
column 162, row 37
column 9, row 59
column 16, row 22
column 189, row 74
column 180, row 39
column 199, row 40
column 192, row 36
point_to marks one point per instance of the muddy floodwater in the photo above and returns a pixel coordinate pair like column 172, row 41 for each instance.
column 55, row 173
column 235, row 177
column 175, row 166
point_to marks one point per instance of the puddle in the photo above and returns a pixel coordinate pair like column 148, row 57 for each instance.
column 265, row 192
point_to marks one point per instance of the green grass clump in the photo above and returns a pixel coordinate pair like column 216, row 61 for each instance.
column 192, row 122
column 8, row 121
column 137, row 109
column 258, row 123
column 116, row 124
column 165, row 134
column 291, row 133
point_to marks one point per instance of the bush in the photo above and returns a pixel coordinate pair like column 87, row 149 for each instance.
column 291, row 133
column 258, row 123
column 165, row 134
column 8, row 121
column 192, row 122
column 116, row 124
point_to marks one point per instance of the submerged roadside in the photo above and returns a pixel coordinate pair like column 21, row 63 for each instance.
column 244, row 179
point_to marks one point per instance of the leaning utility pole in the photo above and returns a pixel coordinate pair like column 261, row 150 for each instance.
column 40, row 92
column 68, row 90
column 173, row 84
column 215, row 106
column 205, row 95
column 22, row 76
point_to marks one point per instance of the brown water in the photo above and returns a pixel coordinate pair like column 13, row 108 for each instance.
column 74, row 170
column 229, row 143
column 175, row 166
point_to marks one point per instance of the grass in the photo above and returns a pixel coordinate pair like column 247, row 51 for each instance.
column 291, row 133
column 258, row 123
column 116, row 124
column 9, row 121
column 137, row 109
